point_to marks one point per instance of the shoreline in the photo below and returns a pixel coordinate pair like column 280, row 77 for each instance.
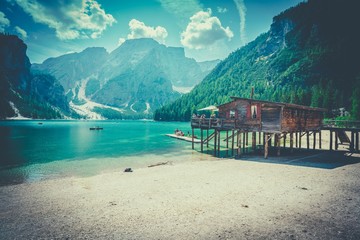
column 205, row 199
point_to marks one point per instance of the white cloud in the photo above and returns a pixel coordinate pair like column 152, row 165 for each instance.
column 4, row 22
column 138, row 29
column 221, row 10
column 240, row 5
column 121, row 41
column 70, row 19
column 183, row 9
column 21, row 31
column 204, row 30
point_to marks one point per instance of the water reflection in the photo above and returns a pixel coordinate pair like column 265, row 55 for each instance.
column 29, row 151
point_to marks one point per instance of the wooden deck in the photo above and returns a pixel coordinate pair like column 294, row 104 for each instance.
column 184, row 138
column 242, row 137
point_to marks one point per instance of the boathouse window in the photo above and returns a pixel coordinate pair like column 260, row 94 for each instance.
column 232, row 114
column 253, row 111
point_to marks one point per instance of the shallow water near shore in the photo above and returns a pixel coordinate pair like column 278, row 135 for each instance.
column 37, row 150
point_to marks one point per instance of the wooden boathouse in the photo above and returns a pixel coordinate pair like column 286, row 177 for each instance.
column 265, row 121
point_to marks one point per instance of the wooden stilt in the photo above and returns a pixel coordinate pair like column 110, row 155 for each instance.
column 264, row 141
column 314, row 143
column 320, row 139
column 215, row 140
column 247, row 140
column 357, row 142
column 243, row 142
column 253, row 141
column 331, row 140
column 352, row 141
column 239, row 144
column 202, row 140
column 300, row 139
column 278, row 144
column 296, row 139
column 192, row 138
column 232, row 143
column 259, row 138
column 307, row 140
column 266, row 146
column 218, row 149
column 336, row 141
column 227, row 139
column 207, row 137
column 284, row 139
column 291, row 142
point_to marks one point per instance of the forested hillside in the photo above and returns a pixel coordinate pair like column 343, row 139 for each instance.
column 309, row 56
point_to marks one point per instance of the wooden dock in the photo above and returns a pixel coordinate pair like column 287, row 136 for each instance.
column 184, row 138
column 247, row 125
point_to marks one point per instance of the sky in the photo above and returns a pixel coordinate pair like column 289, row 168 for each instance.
column 206, row 29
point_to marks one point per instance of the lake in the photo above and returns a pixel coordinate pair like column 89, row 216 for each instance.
column 33, row 150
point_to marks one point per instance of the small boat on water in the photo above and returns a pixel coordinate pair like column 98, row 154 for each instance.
column 96, row 128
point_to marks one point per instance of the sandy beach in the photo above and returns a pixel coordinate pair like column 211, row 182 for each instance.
column 209, row 199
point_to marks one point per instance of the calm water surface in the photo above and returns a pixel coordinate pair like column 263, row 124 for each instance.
column 30, row 151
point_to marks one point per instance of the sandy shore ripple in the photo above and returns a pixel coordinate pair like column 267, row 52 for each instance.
column 221, row 199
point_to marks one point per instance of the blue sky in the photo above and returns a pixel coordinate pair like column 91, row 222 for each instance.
column 207, row 29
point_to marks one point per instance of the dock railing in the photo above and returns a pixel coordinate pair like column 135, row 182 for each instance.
column 223, row 123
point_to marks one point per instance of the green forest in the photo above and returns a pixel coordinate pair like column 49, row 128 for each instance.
column 308, row 57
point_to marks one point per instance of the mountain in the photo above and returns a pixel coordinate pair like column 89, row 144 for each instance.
column 132, row 81
column 309, row 56
column 70, row 67
column 23, row 94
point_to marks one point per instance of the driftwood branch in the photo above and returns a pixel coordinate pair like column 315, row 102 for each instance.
column 159, row 164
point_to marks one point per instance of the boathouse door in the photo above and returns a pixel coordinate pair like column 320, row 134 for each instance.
column 270, row 119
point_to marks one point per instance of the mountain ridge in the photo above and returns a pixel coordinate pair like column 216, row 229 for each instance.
column 301, row 59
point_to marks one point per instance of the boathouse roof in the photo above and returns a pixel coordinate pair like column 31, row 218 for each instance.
column 279, row 104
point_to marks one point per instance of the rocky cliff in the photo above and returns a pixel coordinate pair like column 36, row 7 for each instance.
column 23, row 94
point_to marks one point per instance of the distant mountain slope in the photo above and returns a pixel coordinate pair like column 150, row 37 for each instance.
column 23, row 94
column 309, row 56
column 133, row 81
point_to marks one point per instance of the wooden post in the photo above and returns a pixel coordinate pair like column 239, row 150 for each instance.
column 243, row 142
column 284, row 140
column 253, row 141
column 207, row 137
column 218, row 149
column 215, row 140
column 300, row 139
column 314, row 143
column 247, row 141
column 259, row 138
column 336, row 141
column 232, row 143
column 266, row 146
column 331, row 140
column 227, row 137
column 296, row 139
column 264, row 141
column 307, row 140
column 202, row 140
column 192, row 138
column 291, row 141
column 239, row 143
column 352, row 141
column 357, row 141
column 320, row 139
column 278, row 144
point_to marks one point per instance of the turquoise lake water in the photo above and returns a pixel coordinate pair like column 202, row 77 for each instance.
column 30, row 151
